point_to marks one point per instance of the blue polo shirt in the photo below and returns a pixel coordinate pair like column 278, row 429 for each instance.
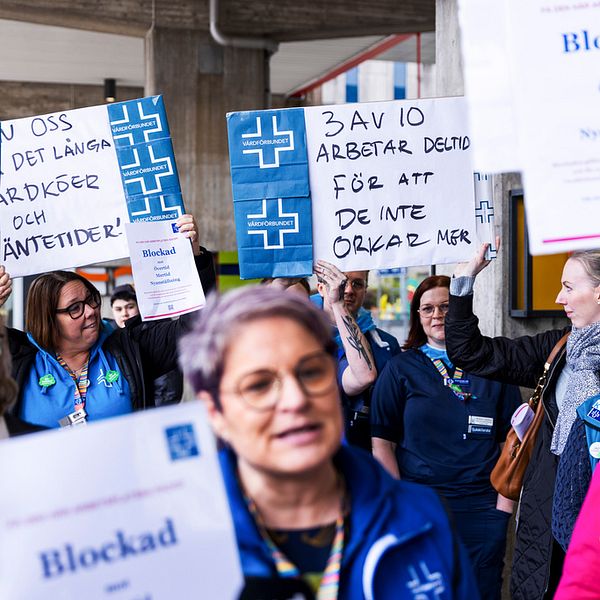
column 441, row 440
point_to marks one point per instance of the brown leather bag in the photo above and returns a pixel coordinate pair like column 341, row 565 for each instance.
column 507, row 475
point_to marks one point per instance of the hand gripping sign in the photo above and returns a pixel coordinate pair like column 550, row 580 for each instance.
column 364, row 186
column 70, row 180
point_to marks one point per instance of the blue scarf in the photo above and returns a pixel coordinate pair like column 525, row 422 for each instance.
column 363, row 319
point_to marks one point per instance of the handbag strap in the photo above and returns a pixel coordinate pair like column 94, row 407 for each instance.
column 534, row 401
column 557, row 348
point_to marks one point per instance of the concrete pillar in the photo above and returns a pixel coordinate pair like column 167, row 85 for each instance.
column 202, row 81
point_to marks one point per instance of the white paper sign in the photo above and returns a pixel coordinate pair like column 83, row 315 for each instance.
column 555, row 56
column 391, row 183
column 488, row 87
column 167, row 283
column 62, row 200
column 130, row 508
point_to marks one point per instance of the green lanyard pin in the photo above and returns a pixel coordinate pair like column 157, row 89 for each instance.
column 111, row 376
column 47, row 380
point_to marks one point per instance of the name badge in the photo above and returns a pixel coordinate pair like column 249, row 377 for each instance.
column 476, row 420
column 79, row 417
column 479, row 429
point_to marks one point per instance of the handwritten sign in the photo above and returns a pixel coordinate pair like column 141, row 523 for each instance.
column 390, row 184
column 150, row 503
column 70, row 180
column 167, row 283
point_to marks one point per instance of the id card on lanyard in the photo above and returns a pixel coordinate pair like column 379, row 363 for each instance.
column 457, row 383
column 79, row 415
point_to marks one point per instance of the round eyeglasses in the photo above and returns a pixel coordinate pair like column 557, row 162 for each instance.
column 77, row 309
column 429, row 309
column 261, row 389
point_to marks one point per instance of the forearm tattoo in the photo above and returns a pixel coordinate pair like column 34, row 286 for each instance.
column 354, row 340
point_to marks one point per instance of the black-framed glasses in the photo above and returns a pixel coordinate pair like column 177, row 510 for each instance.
column 429, row 309
column 261, row 389
column 77, row 309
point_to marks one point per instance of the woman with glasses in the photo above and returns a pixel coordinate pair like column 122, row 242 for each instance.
column 308, row 511
column 72, row 368
column 434, row 424
column 565, row 449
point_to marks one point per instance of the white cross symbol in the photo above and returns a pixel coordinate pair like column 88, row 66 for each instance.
column 163, row 206
column 484, row 212
column 143, row 117
column 421, row 586
column 157, row 177
column 264, row 233
column 277, row 149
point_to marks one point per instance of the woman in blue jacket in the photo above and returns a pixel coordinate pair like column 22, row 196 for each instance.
column 439, row 426
column 71, row 367
column 306, row 510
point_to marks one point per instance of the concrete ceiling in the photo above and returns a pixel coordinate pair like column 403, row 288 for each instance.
column 46, row 53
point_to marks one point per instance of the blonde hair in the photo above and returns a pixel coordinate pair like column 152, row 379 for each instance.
column 590, row 260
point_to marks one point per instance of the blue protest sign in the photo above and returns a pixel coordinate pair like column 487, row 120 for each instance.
column 271, row 192
column 145, row 155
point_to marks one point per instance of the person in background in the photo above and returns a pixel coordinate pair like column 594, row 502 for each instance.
column 436, row 425
column 123, row 303
column 305, row 508
column 559, row 470
column 9, row 425
column 363, row 348
column 293, row 284
column 168, row 388
column 72, row 368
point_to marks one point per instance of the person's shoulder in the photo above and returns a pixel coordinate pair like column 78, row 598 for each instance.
column 408, row 360
column 388, row 339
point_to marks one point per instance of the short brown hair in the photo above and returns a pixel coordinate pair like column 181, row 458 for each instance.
column 42, row 302
column 416, row 334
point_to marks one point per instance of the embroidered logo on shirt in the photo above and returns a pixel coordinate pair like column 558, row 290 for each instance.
column 424, row 584
column 105, row 379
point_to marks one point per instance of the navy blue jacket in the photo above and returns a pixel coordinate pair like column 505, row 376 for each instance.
column 441, row 440
column 400, row 546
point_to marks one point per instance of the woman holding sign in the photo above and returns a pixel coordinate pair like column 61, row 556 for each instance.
column 559, row 471
column 71, row 367
column 436, row 425
column 308, row 511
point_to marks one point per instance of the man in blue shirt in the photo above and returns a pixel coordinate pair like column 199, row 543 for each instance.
column 364, row 349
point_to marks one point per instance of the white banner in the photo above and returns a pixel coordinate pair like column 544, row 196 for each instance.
column 167, row 283
column 391, row 183
column 531, row 75
column 488, row 85
column 61, row 195
column 131, row 508
column 555, row 55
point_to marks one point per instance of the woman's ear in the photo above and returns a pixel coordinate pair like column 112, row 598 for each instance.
column 215, row 414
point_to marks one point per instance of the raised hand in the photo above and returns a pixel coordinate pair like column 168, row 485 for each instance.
column 188, row 227
column 477, row 262
column 333, row 279
column 5, row 285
